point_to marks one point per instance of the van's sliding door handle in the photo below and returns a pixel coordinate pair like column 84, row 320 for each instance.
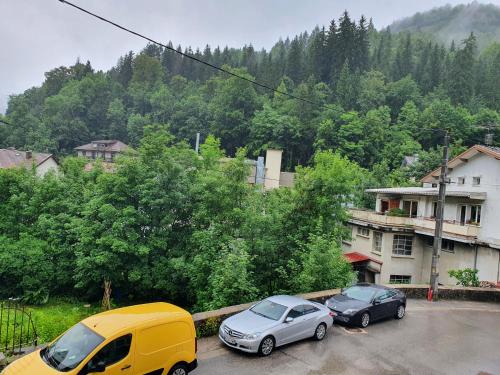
column 126, row 367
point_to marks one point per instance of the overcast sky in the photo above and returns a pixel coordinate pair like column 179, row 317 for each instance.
column 38, row 35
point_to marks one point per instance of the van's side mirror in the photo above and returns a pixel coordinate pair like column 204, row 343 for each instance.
column 96, row 367
column 288, row 319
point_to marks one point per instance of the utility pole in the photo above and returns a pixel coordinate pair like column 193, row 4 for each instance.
column 438, row 232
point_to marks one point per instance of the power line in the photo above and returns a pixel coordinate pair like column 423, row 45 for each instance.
column 263, row 85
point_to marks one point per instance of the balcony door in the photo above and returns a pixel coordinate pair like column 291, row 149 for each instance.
column 410, row 208
column 462, row 210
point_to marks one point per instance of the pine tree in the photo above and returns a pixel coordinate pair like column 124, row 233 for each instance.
column 461, row 86
column 403, row 63
column 317, row 55
column 362, row 46
column 295, row 62
column 347, row 86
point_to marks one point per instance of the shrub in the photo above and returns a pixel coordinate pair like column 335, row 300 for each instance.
column 465, row 277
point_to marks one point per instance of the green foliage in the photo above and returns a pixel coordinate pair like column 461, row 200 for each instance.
column 465, row 277
column 324, row 266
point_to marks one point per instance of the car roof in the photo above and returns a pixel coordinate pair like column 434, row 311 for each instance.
column 115, row 321
column 288, row 301
column 375, row 286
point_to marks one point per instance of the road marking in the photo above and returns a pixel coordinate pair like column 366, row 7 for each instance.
column 352, row 331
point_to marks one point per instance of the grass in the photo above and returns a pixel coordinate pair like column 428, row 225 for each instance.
column 51, row 320
column 56, row 317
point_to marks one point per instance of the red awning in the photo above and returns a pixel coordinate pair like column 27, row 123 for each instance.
column 356, row 257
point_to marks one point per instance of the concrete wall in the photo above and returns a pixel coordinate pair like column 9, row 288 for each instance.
column 48, row 165
column 273, row 169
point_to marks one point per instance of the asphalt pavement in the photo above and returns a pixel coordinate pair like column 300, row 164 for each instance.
column 445, row 337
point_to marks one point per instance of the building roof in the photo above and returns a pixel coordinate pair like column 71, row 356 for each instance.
column 356, row 257
column 491, row 151
column 428, row 192
column 104, row 145
column 11, row 158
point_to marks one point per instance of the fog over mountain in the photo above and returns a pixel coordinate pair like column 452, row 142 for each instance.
column 455, row 23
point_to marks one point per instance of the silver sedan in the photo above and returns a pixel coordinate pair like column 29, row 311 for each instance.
column 273, row 322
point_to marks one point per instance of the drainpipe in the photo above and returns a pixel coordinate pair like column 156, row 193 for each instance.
column 498, row 269
column 475, row 257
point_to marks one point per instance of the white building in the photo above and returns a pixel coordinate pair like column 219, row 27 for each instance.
column 401, row 245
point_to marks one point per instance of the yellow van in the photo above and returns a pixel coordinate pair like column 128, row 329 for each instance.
column 150, row 339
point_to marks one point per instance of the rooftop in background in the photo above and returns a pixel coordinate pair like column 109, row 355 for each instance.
column 104, row 145
column 492, row 151
column 425, row 191
column 11, row 158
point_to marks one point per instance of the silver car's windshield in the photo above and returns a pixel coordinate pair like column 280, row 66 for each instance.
column 269, row 309
column 72, row 348
column 364, row 294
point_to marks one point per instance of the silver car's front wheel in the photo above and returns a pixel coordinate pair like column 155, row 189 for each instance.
column 266, row 346
column 320, row 332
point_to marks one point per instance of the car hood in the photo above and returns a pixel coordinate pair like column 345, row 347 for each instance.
column 30, row 364
column 342, row 303
column 249, row 322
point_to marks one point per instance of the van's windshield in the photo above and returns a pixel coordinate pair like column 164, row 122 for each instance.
column 69, row 350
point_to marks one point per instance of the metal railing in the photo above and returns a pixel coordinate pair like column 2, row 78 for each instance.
column 17, row 330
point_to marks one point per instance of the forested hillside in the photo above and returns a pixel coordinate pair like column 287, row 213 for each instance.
column 379, row 96
column 454, row 23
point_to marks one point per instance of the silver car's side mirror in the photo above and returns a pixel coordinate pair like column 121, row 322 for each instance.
column 288, row 319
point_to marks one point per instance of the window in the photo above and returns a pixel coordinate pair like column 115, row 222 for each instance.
column 447, row 245
column 475, row 214
column 114, row 352
column 402, row 244
column 399, row 279
column 363, row 232
column 309, row 309
column 460, row 180
column 476, row 180
column 410, row 208
column 377, row 241
column 295, row 312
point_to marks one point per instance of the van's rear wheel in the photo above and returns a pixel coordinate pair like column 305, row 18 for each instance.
column 179, row 369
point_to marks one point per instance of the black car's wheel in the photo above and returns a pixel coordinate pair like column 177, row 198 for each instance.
column 266, row 346
column 400, row 312
column 320, row 332
column 179, row 369
column 364, row 319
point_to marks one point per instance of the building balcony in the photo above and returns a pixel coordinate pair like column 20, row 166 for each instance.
column 451, row 229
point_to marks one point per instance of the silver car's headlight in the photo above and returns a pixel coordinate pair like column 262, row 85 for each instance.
column 350, row 311
column 252, row 336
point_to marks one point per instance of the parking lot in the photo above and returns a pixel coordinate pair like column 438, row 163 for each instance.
column 446, row 337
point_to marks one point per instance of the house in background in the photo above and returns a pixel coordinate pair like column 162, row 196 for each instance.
column 267, row 171
column 400, row 241
column 104, row 149
column 43, row 163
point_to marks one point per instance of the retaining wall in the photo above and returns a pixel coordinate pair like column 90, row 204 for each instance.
column 207, row 323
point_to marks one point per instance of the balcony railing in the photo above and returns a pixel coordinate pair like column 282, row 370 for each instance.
column 419, row 223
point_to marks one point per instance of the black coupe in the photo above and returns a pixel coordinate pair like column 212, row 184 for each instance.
column 364, row 303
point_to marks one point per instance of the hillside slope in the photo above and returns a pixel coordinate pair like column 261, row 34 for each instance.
column 450, row 23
